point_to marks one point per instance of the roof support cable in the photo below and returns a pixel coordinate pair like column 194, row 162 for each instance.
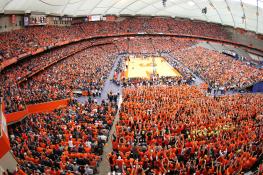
column 244, row 17
column 257, row 17
column 90, row 10
column 110, row 7
column 55, row 5
column 228, row 8
column 127, row 7
column 6, row 4
column 95, row 6
column 65, row 6
column 80, row 5
column 212, row 5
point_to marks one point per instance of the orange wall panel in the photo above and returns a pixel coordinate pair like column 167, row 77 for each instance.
column 35, row 108
column 48, row 106
column 15, row 116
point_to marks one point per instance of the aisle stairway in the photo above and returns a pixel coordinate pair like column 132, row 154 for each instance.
column 109, row 86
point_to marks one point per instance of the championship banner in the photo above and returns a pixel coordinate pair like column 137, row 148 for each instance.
column 13, row 19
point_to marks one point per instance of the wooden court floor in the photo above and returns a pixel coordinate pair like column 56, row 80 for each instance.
column 139, row 67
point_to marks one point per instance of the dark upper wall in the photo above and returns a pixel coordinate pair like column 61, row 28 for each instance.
column 245, row 37
column 6, row 23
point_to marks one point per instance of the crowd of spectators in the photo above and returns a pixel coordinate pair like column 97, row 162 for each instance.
column 169, row 44
column 65, row 141
column 39, row 88
column 30, row 39
column 218, row 69
column 154, row 81
column 85, row 71
column 140, row 46
column 167, row 130
column 154, row 45
column 55, row 83
column 179, row 130
column 13, row 75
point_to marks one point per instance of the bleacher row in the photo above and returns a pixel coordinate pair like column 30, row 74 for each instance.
column 65, row 141
column 18, row 94
column 29, row 40
column 179, row 130
column 219, row 70
column 89, row 67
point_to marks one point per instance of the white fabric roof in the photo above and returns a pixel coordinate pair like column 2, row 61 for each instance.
column 227, row 12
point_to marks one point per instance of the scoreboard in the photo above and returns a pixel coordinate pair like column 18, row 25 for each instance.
column 33, row 20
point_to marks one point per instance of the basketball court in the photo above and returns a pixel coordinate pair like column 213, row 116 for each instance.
column 139, row 67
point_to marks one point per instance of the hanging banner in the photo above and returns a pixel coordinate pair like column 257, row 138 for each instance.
column 26, row 21
column 13, row 19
